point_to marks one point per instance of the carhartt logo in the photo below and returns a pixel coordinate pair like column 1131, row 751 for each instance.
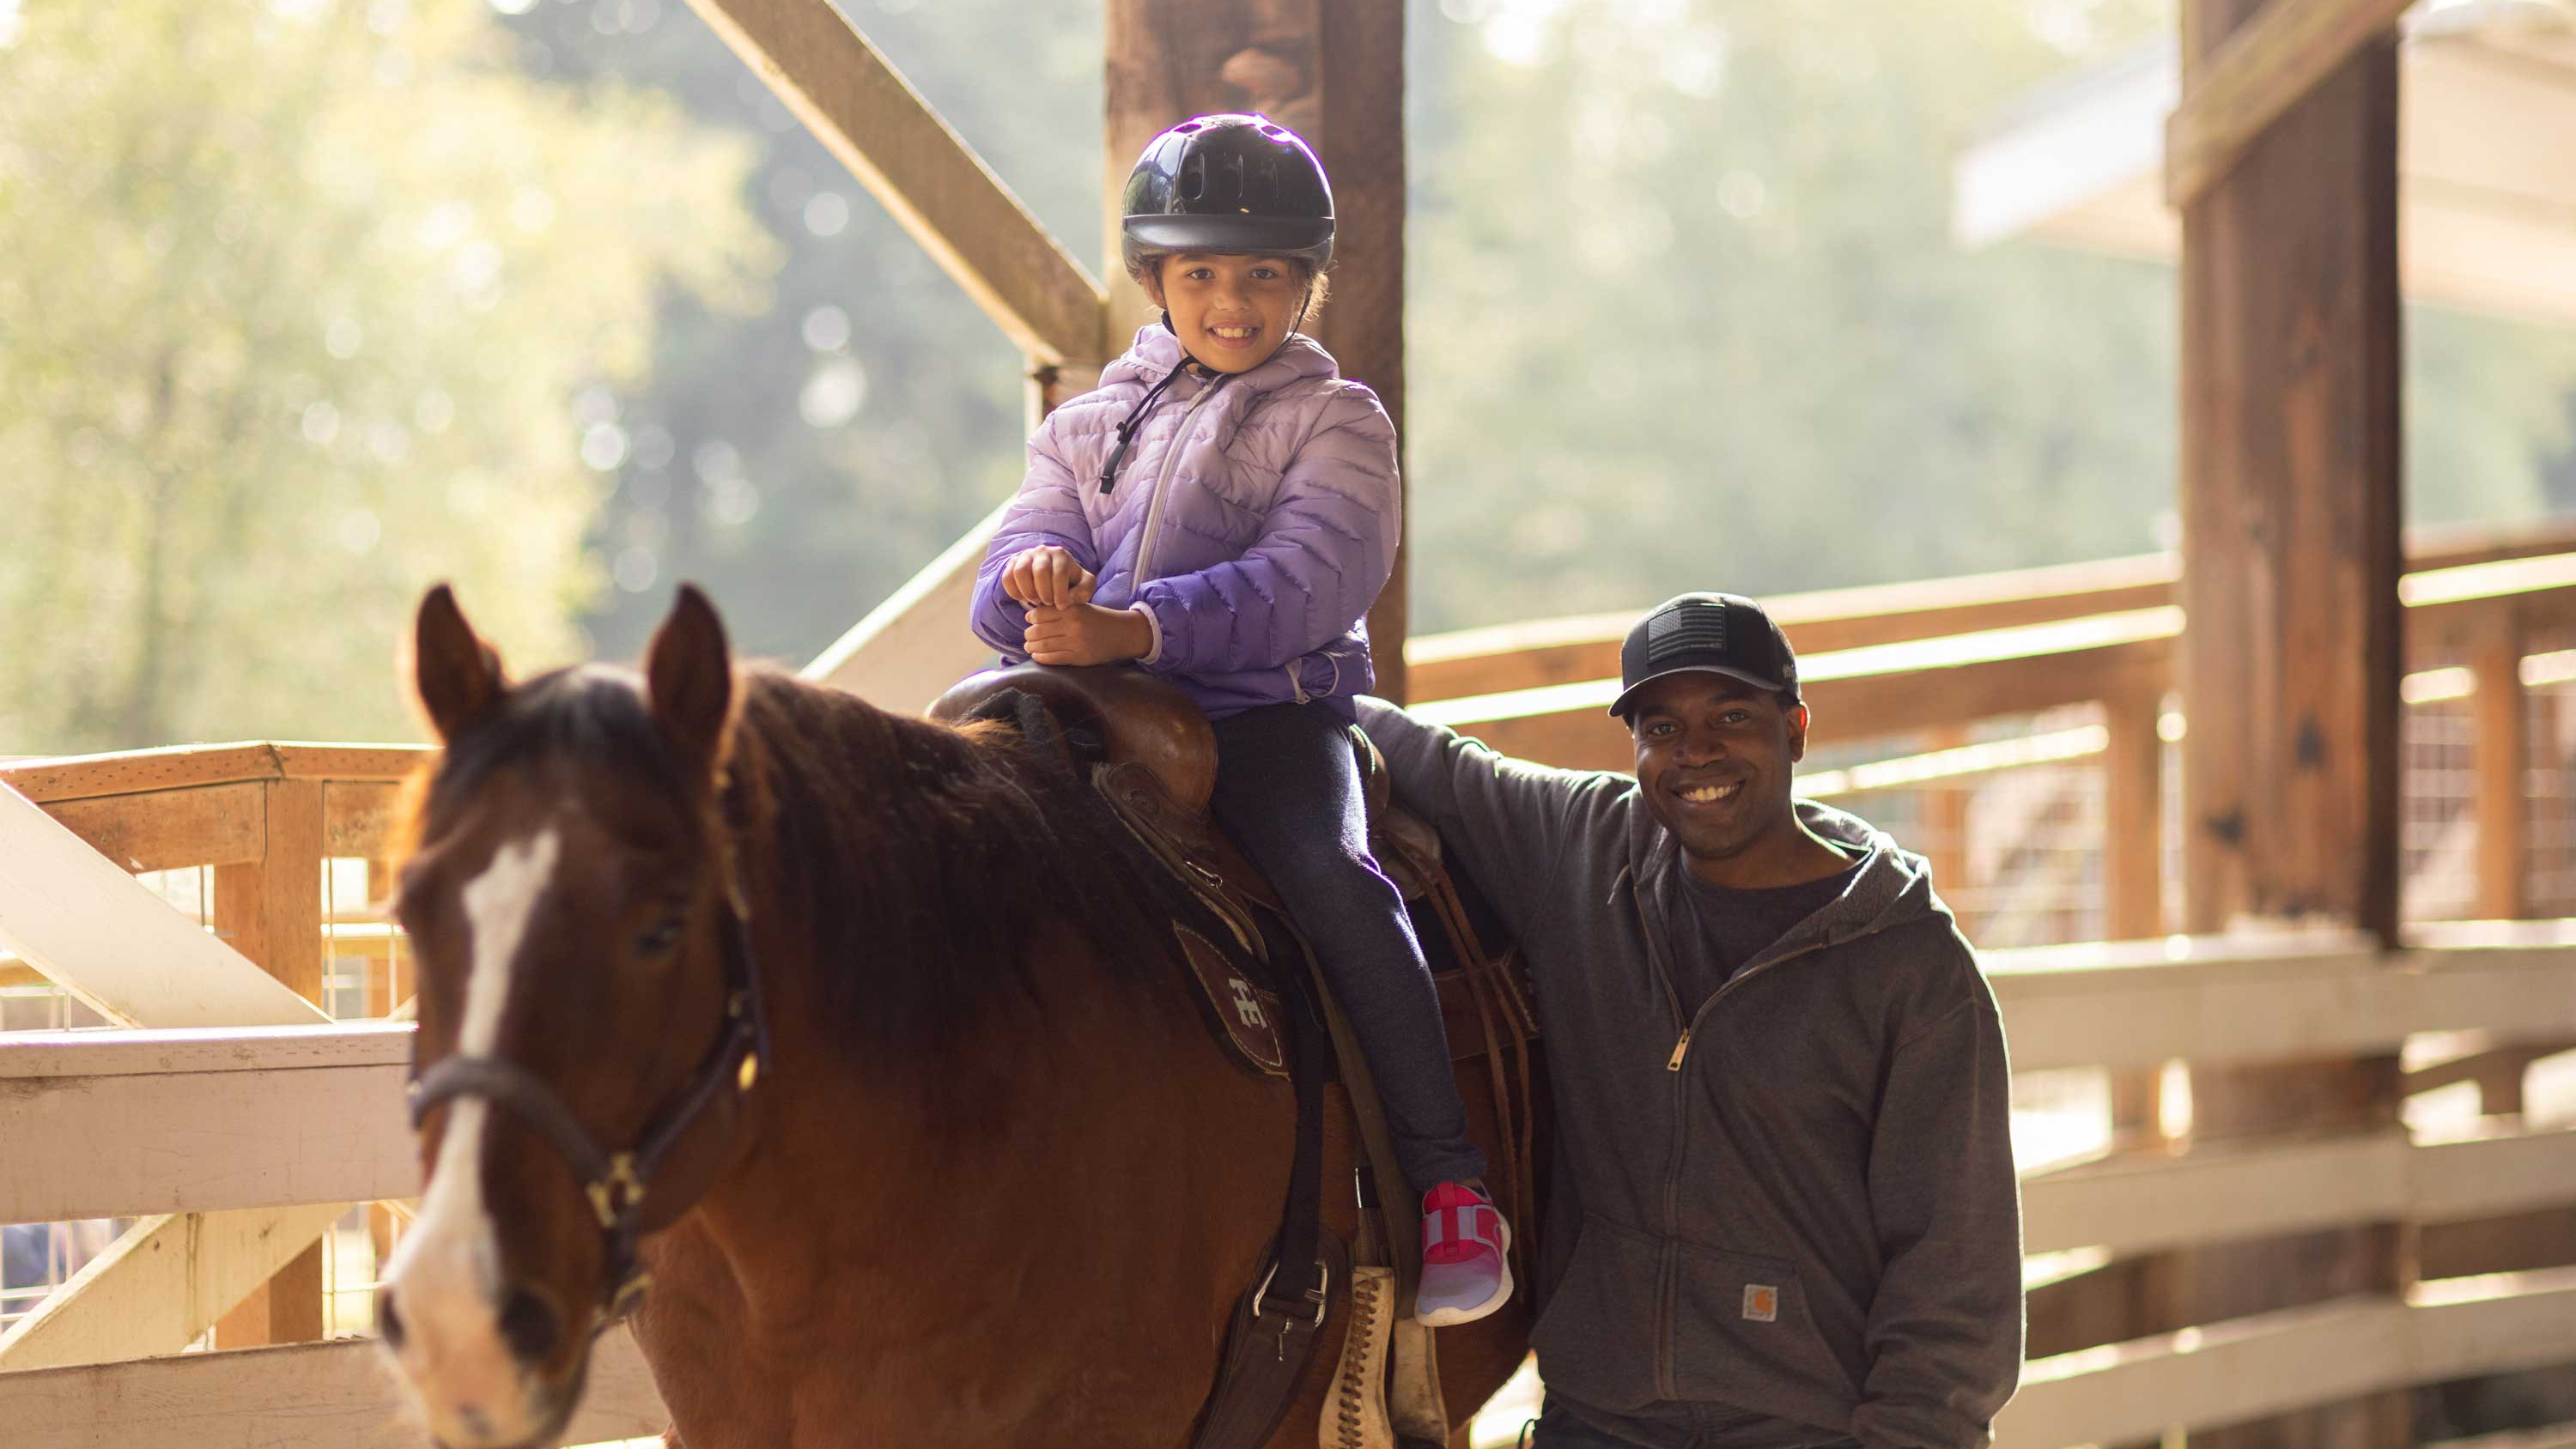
column 1761, row 1302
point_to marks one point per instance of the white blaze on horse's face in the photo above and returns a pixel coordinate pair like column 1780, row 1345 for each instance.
column 446, row 1279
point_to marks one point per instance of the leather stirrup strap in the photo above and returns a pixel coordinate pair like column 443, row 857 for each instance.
column 1397, row 1206
column 1271, row 1341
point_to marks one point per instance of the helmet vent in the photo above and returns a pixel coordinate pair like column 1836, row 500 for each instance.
column 1194, row 178
column 1185, row 128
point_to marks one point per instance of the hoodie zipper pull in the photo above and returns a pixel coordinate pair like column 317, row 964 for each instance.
column 1680, row 1049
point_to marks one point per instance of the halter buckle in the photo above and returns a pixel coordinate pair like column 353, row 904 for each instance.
column 613, row 1194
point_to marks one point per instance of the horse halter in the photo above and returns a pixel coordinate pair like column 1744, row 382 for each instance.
column 619, row 1183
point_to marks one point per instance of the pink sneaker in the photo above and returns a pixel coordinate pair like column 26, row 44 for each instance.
column 1466, row 1263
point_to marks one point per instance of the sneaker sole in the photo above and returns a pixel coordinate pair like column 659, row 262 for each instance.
column 1502, row 1294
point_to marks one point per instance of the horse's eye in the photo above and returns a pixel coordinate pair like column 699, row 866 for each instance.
column 659, row 938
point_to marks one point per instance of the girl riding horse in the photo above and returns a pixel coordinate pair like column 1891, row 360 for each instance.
column 826, row 1023
column 1223, row 511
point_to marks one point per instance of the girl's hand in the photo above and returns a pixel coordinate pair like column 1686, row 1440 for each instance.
column 1086, row 634
column 1047, row 576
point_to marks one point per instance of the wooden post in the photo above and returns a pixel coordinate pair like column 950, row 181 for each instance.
column 2291, row 505
column 271, row 911
column 2231, row 1280
column 2503, row 808
column 1333, row 72
column 2133, row 772
column 1944, row 817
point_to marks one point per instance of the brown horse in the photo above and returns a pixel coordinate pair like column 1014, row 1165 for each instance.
column 855, row 1021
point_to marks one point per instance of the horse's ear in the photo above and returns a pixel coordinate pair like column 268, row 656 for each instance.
column 456, row 676
column 688, row 674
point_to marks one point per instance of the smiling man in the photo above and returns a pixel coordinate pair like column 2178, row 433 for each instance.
column 1783, row 1210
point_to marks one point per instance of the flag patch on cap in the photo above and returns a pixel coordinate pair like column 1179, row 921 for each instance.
column 1678, row 629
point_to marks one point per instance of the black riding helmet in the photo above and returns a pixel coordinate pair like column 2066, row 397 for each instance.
column 1230, row 184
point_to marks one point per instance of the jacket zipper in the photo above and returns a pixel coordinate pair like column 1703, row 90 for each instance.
column 1669, row 1271
column 1162, row 488
column 1669, row 1277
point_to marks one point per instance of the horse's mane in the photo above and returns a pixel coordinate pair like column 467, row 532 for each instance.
column 928, row 858
column 924, row 859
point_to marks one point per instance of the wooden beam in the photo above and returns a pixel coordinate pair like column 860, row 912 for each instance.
column 272, row 911
column 1578, row 647
column 2219, row 1374
column 910, row 648
column 2125, row 1005
column 73, row 777
column 130, row 772
column 1583, row 647
column 2290, row 504
column 1359, row 50
column 311, row 1396
column 1333, row 72
column 93, row 930
column 2211, row 1194
column 2264, row 67
column 2133, row 813
column 1925, row 684
column 114, row 1124
column 868, row 116
column 2501, row 759
column 357, row 820
column 162, row 1285
column 2214, row 1193
column 2203, row 1377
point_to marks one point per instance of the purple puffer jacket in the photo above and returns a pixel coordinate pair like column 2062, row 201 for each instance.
column 1254, row 522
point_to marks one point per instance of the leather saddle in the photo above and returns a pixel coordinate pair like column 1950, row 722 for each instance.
column 1151, row 755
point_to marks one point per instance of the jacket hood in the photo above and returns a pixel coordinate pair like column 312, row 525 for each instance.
column 1156, row 352
column 1892, row 888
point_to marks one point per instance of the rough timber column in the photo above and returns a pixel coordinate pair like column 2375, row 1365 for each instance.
column 2290, row 505
column 1332, row 71
column 2291, row 510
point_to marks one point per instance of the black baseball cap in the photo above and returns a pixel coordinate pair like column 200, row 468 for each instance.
column 1707, row 634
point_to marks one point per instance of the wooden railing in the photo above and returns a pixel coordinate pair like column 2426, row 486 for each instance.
column 1574, row 649
column 256, row 824
column 2486, row 613
column 250, row 1119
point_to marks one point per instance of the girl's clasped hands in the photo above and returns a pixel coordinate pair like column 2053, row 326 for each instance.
column 1064, row 626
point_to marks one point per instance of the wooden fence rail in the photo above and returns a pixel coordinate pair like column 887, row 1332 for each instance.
column 241, row 1118
column 256, row 1122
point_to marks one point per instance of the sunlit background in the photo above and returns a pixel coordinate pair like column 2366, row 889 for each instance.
column 308, row 303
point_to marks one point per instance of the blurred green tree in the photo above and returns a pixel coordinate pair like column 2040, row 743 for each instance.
column 274, row 353
column 1686, row 314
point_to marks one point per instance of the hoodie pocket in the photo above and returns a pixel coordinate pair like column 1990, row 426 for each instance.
column 1744, row 1333
column 1596, row 1341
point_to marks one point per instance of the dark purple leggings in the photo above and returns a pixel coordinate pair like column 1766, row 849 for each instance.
column 1288, row 788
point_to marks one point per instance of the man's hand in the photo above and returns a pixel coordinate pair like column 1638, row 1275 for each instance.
column 1047, row 576
column 1086, row 634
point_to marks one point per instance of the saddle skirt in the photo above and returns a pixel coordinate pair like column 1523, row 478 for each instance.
column 1149, row 752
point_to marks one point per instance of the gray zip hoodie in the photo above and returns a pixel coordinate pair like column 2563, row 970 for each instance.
column 1799, row 1200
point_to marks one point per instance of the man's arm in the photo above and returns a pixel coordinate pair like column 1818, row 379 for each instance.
column 1508, row 821
column 1945, row 1331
